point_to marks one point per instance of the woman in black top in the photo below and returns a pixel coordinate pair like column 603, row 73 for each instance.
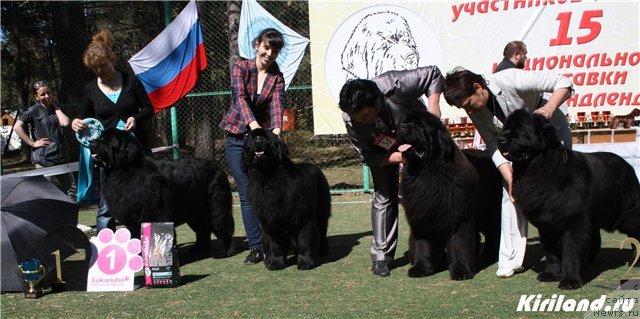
column 116, row 99
column 47, row 122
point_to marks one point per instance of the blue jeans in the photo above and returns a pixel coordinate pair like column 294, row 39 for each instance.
column 104, row 219
column 234, row 144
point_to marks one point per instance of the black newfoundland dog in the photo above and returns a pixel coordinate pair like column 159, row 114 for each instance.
column 568, row 195
column 292, row 201
column 140, row 189
column 449, row 196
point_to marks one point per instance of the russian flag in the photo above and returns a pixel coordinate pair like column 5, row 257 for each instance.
column 168, row 66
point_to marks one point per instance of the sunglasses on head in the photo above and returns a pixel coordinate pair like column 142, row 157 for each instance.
column 40, row 84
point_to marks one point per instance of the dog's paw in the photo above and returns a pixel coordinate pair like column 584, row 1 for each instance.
column 230, row 252
column 223, row 252
column 416, row 272
column 461, row 274
column 547, row 277
column 306, row 265
column 275, row 263
column 570, row 284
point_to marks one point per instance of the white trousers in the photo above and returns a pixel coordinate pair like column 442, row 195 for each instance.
column 513, row 237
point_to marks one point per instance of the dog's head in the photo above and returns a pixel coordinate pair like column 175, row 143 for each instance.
column 428, row 137
column 526, row 135
column 116, row 148
column 381, row 42
column 263, row 150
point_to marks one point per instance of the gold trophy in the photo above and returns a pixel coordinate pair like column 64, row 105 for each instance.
column 32, row 271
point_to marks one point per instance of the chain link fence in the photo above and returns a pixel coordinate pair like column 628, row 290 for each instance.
column 45, row 40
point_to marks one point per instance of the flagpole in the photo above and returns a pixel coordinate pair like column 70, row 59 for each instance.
column 174, row 112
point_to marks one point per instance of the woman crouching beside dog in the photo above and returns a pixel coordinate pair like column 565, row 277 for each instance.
column 488, row 102
column 114, row 98
column 257, row 88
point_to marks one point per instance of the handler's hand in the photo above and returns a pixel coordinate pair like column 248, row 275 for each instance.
column 544, row 111
column 40, row 143
column 254, row 125
column 513, row 199
column 78, row 125
column 131, row 124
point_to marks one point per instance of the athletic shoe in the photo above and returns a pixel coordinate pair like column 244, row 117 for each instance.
column 380, row 268
column 255, row 256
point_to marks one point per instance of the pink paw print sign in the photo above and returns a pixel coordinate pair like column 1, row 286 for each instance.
column 115, row 261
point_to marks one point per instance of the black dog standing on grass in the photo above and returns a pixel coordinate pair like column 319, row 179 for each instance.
column 568, row 195
column 449, row 197
column 141, row 189
column 292, row 201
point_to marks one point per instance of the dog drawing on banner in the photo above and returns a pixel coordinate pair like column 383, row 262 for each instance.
column 380, row 42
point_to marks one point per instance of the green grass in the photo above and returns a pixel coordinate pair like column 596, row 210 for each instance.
column 342, row 287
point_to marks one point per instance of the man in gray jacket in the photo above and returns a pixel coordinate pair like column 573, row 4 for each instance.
column 372, row 110
column 488, row 102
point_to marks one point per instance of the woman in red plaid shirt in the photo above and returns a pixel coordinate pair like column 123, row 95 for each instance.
column 257, row 88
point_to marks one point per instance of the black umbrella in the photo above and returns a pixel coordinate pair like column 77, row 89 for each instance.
column 37, row 219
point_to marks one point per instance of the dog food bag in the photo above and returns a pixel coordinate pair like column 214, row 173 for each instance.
column 160, row 255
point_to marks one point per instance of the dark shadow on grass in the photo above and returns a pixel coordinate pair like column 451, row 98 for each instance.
column 191, row 278
column 346, row 186
column 607, row 259
column 406, row 260
column 340, row 246
column 401, row 262
column 185, row 256
column 74, row 274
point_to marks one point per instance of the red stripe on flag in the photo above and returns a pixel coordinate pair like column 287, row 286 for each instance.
column 165, row 96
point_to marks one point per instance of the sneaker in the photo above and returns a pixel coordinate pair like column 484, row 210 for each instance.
column 255, row 256
column 507, row 272
column 84, row 228
column 380, row 268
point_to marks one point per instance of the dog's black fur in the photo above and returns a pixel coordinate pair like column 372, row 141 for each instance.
column 568, row 195
column 292, row 201
column 449, row 196
column 140, row 189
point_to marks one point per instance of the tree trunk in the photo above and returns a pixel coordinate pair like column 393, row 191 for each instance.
column 22, row 96
column 233, row 13
column 70, row 34
column 70, row 31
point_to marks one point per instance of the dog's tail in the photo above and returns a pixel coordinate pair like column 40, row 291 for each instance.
column 629, row 221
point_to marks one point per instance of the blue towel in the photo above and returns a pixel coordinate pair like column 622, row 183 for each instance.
column 85, row 176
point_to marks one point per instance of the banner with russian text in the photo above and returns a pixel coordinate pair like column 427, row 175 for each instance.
column 597, row 44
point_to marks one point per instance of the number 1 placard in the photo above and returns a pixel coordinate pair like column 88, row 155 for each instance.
column 115, row 261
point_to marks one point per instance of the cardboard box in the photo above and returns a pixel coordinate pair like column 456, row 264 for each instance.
column 160, row 255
